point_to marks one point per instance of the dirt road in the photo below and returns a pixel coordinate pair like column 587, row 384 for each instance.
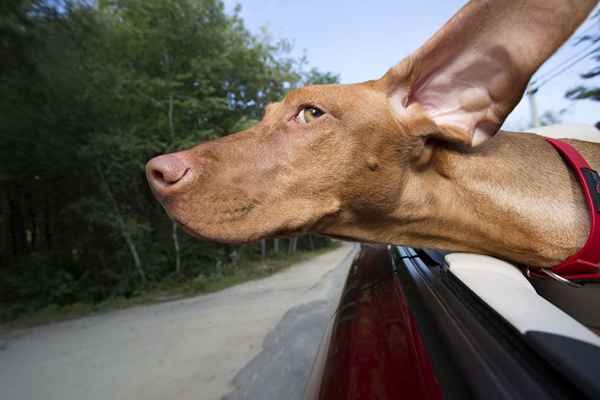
column 252, row 341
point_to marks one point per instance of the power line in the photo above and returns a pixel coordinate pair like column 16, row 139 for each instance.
column 589, row 28
column 578, row 36
column 561, row 64
column 537, row 86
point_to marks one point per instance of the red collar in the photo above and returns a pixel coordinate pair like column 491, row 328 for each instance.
column 584, row 264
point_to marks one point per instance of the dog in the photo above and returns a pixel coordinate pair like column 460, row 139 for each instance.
column 412, row 158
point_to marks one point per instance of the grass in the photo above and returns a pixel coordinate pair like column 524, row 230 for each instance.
column 168, row 290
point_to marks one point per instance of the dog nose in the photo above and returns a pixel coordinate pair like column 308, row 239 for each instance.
column 163, row 172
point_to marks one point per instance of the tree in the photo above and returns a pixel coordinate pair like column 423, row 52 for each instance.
column 182, row 72
column 89, row 91
column 591, row 92
column 550, row 117
column 316, row 77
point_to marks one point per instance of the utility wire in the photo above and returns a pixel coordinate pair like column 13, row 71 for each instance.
column 586, row 30
column 536, row 86
column 570, row 59
column 561, row 64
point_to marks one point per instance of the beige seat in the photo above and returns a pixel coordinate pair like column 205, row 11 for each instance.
column 491, row 279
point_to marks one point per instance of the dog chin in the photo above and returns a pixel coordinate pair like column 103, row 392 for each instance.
column 249, row 227
column 231, row 235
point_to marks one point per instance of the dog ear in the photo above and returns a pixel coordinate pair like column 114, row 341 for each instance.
column 465, row 80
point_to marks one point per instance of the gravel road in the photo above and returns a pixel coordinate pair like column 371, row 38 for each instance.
column 256, row 340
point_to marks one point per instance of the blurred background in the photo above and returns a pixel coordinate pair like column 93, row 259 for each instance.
column 90, row 90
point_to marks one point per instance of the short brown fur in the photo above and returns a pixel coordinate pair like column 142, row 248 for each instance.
column 393, row 161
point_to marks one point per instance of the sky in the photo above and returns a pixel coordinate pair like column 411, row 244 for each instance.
column 360, row 40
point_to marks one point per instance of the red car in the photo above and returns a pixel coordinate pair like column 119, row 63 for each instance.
column 421, row 324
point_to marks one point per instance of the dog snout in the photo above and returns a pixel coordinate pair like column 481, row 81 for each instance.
column 167, row 173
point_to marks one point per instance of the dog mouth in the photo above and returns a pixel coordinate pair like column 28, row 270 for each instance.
column 211, row 234
column 221, row 224
column 246, row 220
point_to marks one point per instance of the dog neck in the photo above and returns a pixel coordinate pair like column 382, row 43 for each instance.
column 501, row 199
column 504, row 200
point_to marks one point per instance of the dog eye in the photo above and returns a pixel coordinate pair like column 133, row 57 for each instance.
column 309, row 114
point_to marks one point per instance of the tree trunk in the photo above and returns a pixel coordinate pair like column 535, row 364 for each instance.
column 263, row 247
column 121, row 222
column 311, row 242
column 17, row 225
column 293, row 245
column 174, row 224
column 47, row 221
column 136, row 257
column 176, row 244
column 219, row 268
column 171, row 123
column 29, row 199
column 4, row 231
column 276, row 246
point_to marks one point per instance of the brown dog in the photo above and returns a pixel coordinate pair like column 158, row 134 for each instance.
column 404, row 159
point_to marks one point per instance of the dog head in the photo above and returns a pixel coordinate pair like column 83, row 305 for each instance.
column 340, row 159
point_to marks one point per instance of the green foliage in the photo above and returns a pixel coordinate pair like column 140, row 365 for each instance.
column 593, row 41
column 89, row 91
column 169, row 288
column 552, row 117
column 316, row 77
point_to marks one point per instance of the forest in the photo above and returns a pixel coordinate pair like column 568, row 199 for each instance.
column 89, row 91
